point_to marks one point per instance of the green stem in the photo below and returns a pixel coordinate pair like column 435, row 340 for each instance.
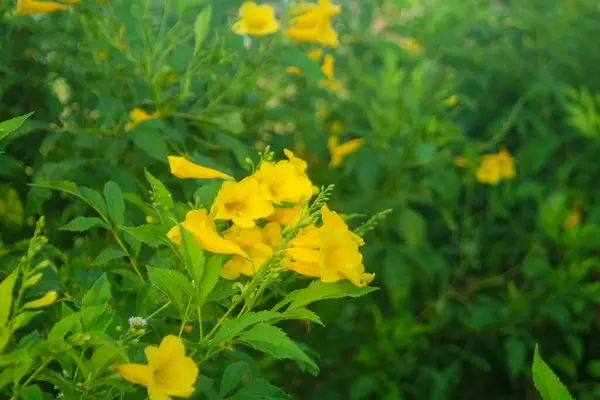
column 199, row 321
column 131, row 258
column 167, row 304
column 32, row 376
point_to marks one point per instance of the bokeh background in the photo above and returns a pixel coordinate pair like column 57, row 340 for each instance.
column 472, row 272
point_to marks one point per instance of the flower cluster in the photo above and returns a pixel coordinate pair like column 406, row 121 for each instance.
column 495, row 168
column 256, row 209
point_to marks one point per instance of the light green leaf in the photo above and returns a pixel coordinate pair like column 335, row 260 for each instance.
column 161, row 194
column 272, row 340
column 115, row 202
column 95, row 303
column 546, row 382
column 232, row 376
column 234, row 327
column 12, row 125
column 210, row 277
column 194, row 258
column 82, row 224
column 201, row 27
column 152, row 235
column 318, row 290
column 6, row 295
column 12, row 212
column 303, row 314
column 23, row 319
column 107, row 255
column 171, row 283
column 62, row 327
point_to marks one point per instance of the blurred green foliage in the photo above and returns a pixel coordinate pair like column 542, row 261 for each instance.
column 473, row 275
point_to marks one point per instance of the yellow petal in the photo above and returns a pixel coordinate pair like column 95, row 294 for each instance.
column 45, row 300
column 155, row 392
column 303, row 255
column 305, row 269
column 184, row 169
column 327, row 67
column 177, row 376
column 135, row 373
column 29, row 7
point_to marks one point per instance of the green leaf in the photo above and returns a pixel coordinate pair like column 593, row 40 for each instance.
column 95, row 303
column 232, row 376
column 62, row 327
column 31, row 392
column 272, row 340
column 516, row 354
column 23, row 319
column 12, row 212
column 12, row 125
column 161, row 194
column 150, row 142
column 6, row 295
column 210, row 277
column 413, row 228
column 171, row 283
column 107, row 255
column 201, row 27
column 546, row 382
column 152, row 235
column 115, row 202
column 318, row 290
column 231, row 122
column 82, row 224
column 94, row 199
column 234, row 327
column 303, row 314
column 194, row 257
column 259, row 389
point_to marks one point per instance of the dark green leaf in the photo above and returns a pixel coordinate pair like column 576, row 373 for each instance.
column 259, row 389
column 232, row 376
column 152, row 235
column 210, row 277
column 150, row 141
column 82, row 224
column 234, row 327
column 171, row 283
column 107, row 255
column 115, row 202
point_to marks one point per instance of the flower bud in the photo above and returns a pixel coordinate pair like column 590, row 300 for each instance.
column 45, row 300
column 32, row 280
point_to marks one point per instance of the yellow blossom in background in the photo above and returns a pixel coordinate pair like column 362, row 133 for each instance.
column 138, row 115
column 201, row 225
column 168, row 372
column 409, row 45
column 329, row 252
column 495, row 168
column 327, row 69
column 506, row 164
column 257, row 243
column 44, row 301
column 336, row 127
column 242, row 202
column 315, row 54
column 184, row 169
column 256, row 20
column 450, row 101
column 34, row 7
column 313, row 24
column 339, row 151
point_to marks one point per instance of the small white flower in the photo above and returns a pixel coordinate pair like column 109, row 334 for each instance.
column 137, row 322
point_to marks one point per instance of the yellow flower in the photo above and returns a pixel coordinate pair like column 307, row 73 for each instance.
column 183, row 169
column 506, row 164
column 488, row 171
column 33, row 7
column 336, row 127
column 327, row 69
column 329, row 252
column 199, row 224
column 242, row 202
column 339, row 151
column 450, row 101
column 409, row 44
column 168, row 373
column 256, row 20
column 284, row 181
column 257, row 243
column 138, row 115
column 44, row 301
column 315, row 54
column 314, row 24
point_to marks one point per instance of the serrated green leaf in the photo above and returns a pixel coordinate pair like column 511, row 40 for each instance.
column 171, row 283
column 82, row 224
column 272, row 340
column 302, row 314
column 62, row 327
column 259, row 389
column 201, row 27
column 6, row 294
column 115, row 202
column 150, row 234
column 194, row 258
column 232, row 376
column 318, row 290
column 95, row 303
column 150, row 141
column 94, row 199
column 7, row 127
column 234, row 327
column 210, row 277
column 107, row 255
column 546, row 382
column 162, row 195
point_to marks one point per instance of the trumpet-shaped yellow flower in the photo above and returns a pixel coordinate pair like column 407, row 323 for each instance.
column 329, row 252
column 44, row 301
column 495, row 168
column 339, row 151
column 199, row 224
column 285, row 181
column 34, row 7
column 257, row 243
column 137, row 115
column 242, row 202
column 168, row 372
column 256, row 20
column 313, row 24
column 327, row 69
column 183, row 169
